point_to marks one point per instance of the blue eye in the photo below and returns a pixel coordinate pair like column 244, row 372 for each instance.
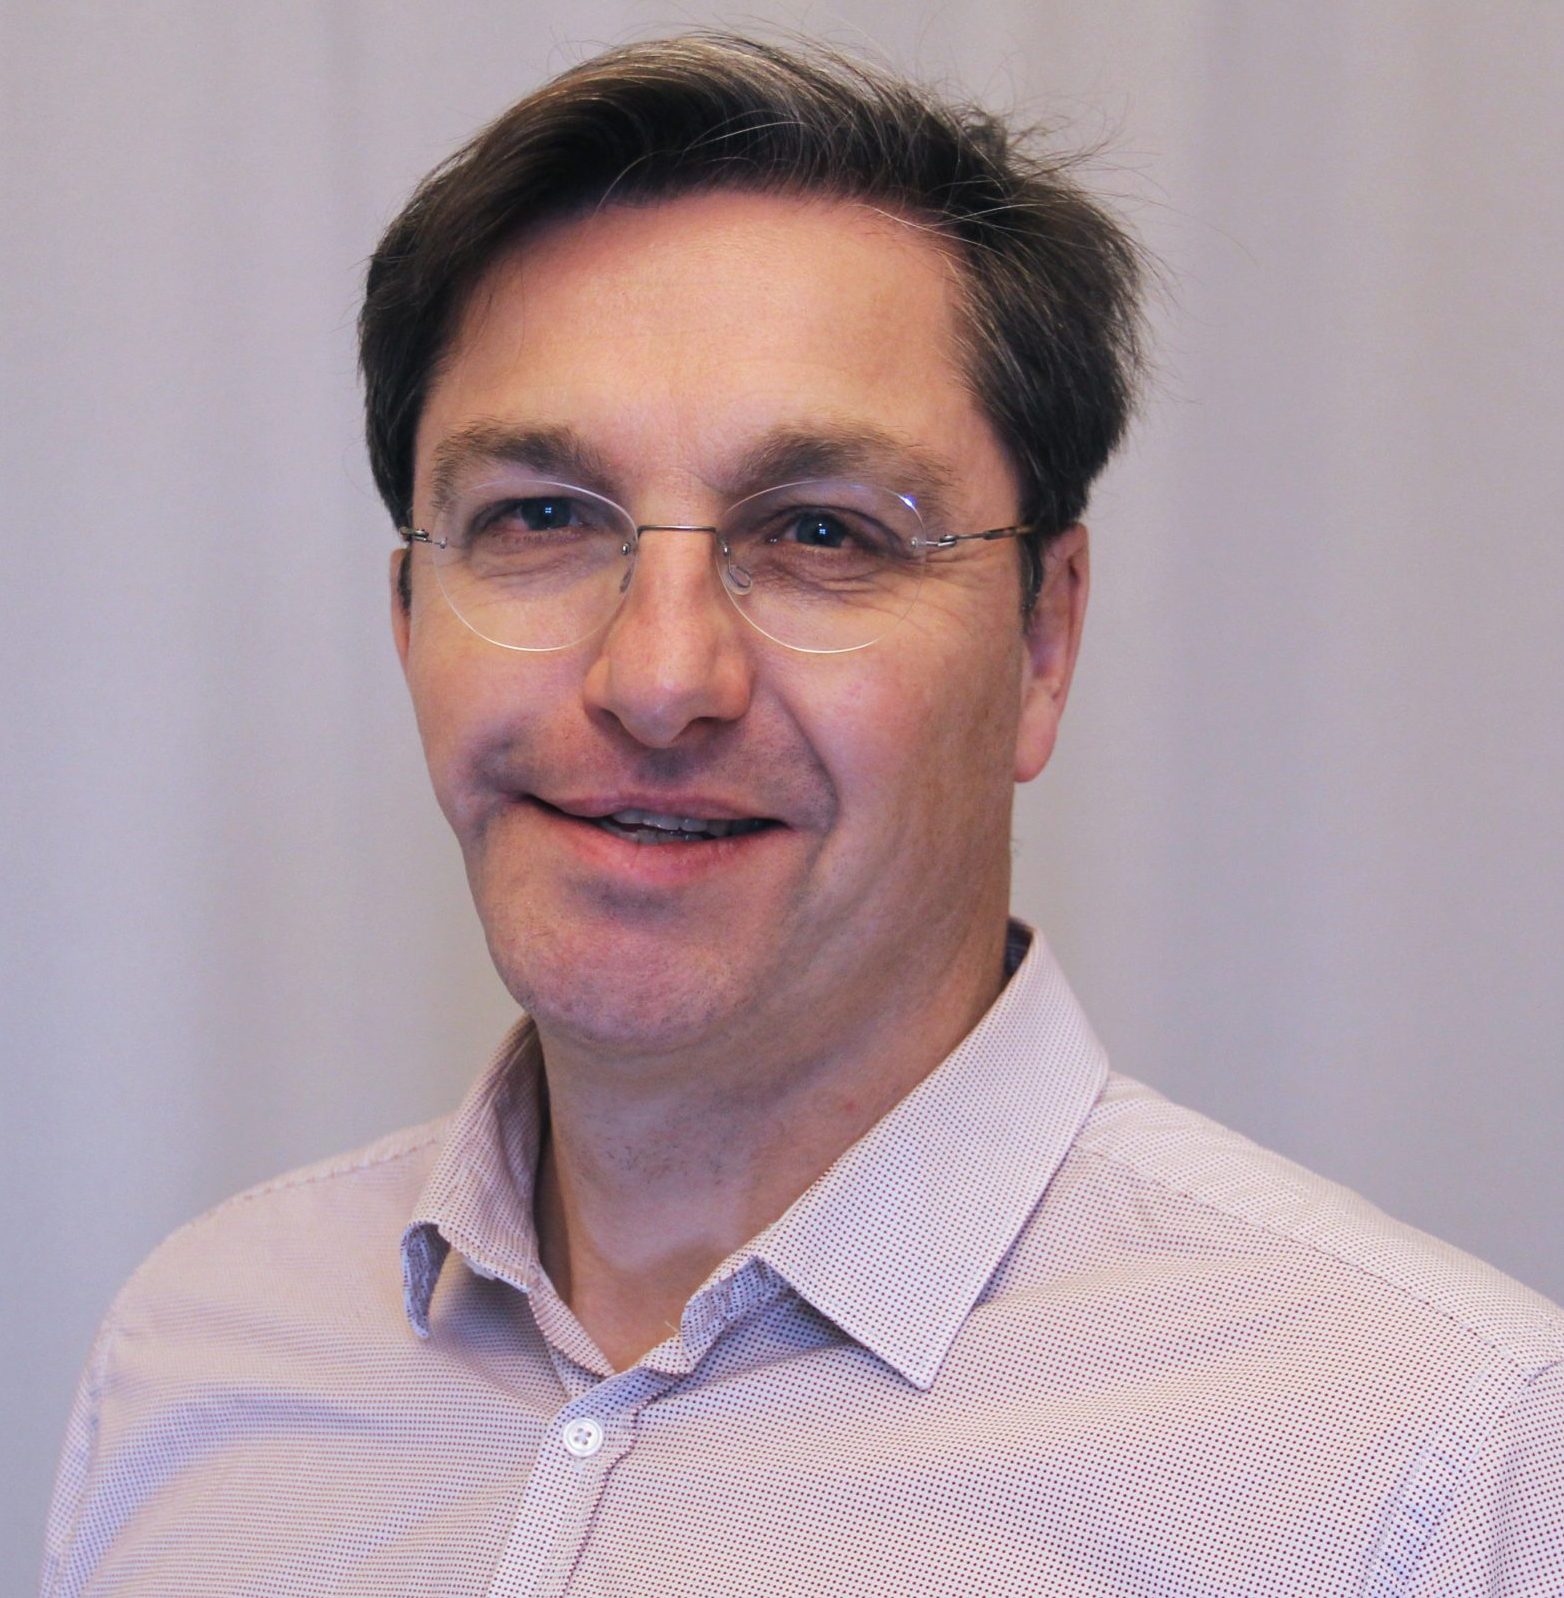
column 819, row 530
column 541, row 515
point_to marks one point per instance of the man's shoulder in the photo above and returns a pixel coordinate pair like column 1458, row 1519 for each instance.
column 365, row 1177
column 1197, row 1190
column 333, row 1217
column 229, row 1320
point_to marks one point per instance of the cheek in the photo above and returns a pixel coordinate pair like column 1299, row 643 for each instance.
column 915, row 748
column 961, row 720
column 465, row 707
column 442, row 737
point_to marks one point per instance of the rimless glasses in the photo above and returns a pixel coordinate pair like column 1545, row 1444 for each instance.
column 822, row 566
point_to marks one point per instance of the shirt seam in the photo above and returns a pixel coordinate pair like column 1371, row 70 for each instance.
column 305, row 1177
column 1528, row 1382
column 376, row 1154
column 1511, row 1358
column 367, row 1159
column 97, row 1384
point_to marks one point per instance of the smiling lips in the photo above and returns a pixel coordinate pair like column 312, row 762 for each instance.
column 646, row 826
column 638, row 825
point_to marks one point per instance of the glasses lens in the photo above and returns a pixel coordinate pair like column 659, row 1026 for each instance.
column 532, row 564
column 824, row 566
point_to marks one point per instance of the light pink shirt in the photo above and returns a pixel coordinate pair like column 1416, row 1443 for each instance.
column 1039, row 1332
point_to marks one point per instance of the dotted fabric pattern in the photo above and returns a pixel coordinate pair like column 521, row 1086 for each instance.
column 1039, row 1332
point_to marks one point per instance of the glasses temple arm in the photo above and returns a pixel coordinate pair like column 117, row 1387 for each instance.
column 950, row 540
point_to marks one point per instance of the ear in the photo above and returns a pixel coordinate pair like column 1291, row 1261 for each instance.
column 401, row 621
column 1052, row 641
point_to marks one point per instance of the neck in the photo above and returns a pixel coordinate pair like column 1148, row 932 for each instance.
column 656, row 1169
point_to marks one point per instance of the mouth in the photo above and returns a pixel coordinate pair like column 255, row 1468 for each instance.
column 654, row 827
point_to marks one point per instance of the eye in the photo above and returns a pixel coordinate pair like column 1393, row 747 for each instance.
column 541, row 513
column 824, row 527
column 816, row 529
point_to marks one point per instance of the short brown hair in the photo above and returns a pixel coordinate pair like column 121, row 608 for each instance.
column 1052, row 281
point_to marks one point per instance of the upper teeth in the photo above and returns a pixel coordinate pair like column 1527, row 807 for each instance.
column 651, row 818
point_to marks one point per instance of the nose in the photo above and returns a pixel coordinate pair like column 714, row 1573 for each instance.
column 674, row 655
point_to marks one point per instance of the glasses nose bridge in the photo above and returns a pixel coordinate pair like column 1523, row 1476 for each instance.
column 719, row 545
column 720, row 552
column 675, row 527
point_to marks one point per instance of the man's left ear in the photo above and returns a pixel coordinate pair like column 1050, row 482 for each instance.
column 401, row 617
column 1052, row 641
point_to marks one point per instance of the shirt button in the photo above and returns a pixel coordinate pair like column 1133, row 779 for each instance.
column 583, row 1437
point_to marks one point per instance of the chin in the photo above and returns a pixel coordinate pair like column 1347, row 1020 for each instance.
column 614, row 992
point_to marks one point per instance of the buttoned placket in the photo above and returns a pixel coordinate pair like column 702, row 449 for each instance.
column 597, row 1427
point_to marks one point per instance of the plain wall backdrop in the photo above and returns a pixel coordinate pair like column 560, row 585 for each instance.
column 1301, row 846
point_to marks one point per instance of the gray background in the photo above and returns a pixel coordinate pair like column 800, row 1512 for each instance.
column 1300, row 849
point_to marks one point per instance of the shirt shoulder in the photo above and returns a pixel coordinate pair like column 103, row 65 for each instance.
column 1240, row 1330
column 286, row 1247
column 362, row 1195
column 305, row 1263
column 1210, row 1188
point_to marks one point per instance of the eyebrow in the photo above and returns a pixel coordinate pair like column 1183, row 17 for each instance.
column 556, row 451
column 787, row 454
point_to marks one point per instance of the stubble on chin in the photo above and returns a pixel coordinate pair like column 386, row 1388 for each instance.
column 589, row 978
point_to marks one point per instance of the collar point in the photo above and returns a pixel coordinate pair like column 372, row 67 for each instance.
column 423, row 1254
column 920, row 1371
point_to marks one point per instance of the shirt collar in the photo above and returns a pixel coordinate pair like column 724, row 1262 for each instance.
column 895, row 1242
column 478, row 1198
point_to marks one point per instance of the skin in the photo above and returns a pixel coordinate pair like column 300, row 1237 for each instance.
column 719, row 1022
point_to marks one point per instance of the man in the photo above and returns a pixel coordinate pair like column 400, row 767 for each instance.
column 738, row 410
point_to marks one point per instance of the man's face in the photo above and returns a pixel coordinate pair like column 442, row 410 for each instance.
column 668, row 346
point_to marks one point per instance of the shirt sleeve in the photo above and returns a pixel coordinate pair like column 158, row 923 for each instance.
column 63, row 1572
column 1503, row 1536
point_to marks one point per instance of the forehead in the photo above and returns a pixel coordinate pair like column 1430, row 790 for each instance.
column 673, row 337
